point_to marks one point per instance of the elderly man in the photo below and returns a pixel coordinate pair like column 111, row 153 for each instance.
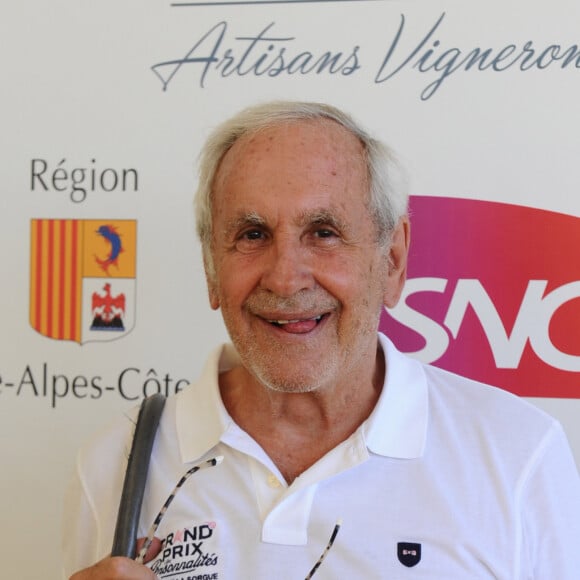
column 317, row 417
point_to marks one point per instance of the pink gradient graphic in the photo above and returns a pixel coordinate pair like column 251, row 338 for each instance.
column 509, row 252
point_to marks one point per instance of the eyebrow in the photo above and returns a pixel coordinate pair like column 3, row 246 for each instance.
column 307, row 217
column 251, row 218
column 322, row 216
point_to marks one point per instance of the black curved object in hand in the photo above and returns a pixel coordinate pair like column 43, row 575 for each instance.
column 125, row 539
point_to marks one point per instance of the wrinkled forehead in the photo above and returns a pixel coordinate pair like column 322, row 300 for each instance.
column 288, row 145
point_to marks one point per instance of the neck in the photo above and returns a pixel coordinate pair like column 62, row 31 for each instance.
column 297, row 429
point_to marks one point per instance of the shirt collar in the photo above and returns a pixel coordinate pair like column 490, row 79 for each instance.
column 201, row 418
column 397, row 427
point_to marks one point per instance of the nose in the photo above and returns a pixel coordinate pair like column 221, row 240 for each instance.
column 287, row 268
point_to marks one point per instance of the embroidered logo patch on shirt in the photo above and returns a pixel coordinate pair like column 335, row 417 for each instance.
column 409, row 554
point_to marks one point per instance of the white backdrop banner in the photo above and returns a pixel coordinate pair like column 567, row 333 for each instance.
column 104, row 109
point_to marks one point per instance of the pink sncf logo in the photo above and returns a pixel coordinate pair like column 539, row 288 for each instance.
column 493, row 293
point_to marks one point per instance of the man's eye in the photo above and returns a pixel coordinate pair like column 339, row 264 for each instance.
column 252, row 235
column 250, row 240
column 324, row 233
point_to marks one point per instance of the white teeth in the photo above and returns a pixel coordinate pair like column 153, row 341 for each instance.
column 281, row 322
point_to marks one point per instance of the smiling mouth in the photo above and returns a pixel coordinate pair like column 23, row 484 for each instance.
column 297, row 325
column 315, row 319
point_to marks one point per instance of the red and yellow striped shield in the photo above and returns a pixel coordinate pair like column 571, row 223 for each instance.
column 82, row 278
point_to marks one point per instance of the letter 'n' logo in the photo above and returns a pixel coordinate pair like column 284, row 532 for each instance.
column 409, row 554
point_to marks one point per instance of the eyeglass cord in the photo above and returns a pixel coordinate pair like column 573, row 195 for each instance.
column 212, row 463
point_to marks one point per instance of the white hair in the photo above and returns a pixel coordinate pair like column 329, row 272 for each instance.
column 388, row 199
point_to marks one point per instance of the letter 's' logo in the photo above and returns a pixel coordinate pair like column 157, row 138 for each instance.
column 82, row 278
column 493, row 293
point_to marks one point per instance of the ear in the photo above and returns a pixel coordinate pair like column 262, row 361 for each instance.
column 212, row 289
column 214, row 301
column 397, row 268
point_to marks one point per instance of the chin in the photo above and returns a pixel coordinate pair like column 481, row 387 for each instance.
column 286, row 387
column 280, row 372
column 284, row 384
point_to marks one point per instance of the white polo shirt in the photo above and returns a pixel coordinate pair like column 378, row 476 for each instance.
column 447, row 479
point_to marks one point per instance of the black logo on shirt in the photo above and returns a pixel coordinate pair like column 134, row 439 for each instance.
column 409, row 554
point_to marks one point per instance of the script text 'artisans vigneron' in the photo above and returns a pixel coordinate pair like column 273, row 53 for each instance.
column 271, row 54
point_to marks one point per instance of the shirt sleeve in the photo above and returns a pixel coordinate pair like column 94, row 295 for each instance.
column 80, row 545
column 550, row 510
column 92, row 498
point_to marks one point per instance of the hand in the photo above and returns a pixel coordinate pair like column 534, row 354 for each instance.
column 153, row 550
column 116, row 568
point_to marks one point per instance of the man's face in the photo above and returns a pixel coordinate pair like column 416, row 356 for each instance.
column 299, row 275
